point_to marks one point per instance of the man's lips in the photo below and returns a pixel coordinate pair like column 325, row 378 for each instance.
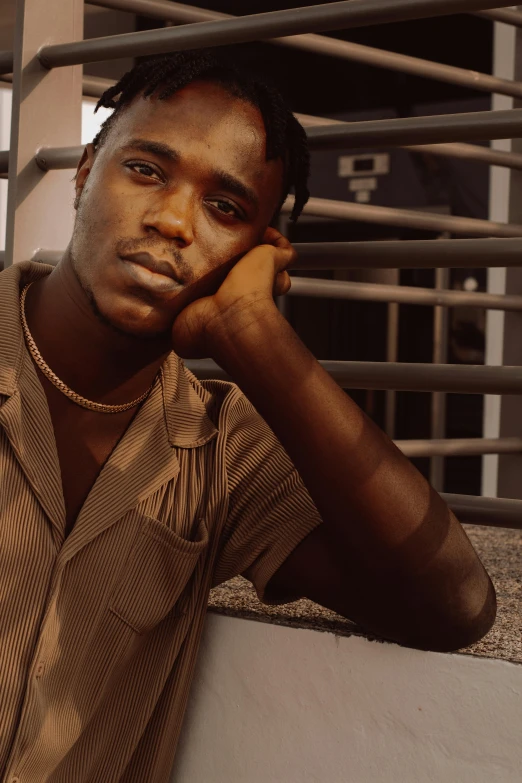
column 157, row 265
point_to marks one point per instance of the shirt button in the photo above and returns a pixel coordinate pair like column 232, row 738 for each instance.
column 38, row 673
column 15, row 780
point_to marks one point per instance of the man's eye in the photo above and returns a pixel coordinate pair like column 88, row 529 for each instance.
column 143, row 168
column 226, row 207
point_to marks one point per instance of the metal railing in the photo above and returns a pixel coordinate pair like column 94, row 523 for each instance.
column 35, row 167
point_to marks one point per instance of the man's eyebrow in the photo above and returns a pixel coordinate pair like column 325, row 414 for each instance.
column 223, row 178
column 154, row 147
column 230, row 183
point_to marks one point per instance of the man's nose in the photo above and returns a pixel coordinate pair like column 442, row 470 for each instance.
column 172, row 218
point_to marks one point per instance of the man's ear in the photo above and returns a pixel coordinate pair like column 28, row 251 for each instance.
column 83, row 171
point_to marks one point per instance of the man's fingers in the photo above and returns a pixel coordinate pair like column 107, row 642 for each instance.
column 283, row 284
column 274, row 237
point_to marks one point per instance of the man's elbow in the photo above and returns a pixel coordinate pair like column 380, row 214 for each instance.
column 450, row 633
column 472, row 631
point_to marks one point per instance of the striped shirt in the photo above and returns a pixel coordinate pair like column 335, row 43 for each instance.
column 99, row 630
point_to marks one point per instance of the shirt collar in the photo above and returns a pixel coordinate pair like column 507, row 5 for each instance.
column 186, row 419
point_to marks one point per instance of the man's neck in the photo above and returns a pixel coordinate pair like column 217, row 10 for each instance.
column 89, row 356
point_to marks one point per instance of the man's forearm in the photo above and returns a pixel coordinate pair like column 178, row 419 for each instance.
column 369, row 494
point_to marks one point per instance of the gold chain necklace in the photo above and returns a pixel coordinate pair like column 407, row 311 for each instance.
column 77, row 398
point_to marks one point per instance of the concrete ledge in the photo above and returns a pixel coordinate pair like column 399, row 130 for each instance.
column 271, row 704
column 500, row 551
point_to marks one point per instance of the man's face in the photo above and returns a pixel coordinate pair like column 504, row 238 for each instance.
column 184, row 179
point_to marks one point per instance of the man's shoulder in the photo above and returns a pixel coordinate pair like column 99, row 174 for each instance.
column 24, row 271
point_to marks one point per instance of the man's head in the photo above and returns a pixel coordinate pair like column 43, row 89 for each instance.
column 192, row 166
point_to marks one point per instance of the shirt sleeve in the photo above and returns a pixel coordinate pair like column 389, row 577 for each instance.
column 270, row 510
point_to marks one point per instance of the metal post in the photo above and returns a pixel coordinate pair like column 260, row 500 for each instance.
column 438, row 399
column 509, row 477
column 502, row 416
column 392, row 341
column 39, row 210
column 282, row 301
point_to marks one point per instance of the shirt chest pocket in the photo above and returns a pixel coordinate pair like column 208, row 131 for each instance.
column 158, row 570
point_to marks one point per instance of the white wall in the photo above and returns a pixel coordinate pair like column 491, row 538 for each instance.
column 272, row 704
column 92, row 122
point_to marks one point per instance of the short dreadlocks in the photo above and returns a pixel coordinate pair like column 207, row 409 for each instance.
column 285, row 136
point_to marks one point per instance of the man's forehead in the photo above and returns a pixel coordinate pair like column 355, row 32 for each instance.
column 203, row 108
column 202, row 115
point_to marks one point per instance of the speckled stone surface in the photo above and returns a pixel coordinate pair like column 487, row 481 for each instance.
column 500, row 551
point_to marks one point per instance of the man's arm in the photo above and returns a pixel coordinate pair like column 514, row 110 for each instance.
column 390, row 554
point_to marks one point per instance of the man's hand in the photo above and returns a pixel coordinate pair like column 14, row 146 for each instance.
column 251, row 284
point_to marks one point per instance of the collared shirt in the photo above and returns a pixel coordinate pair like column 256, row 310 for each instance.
column 99, row 630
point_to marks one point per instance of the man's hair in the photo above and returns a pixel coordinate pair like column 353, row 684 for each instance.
column 285, row 136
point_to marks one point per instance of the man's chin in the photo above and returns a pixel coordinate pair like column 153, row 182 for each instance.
column 128, row 330
column 135, row 332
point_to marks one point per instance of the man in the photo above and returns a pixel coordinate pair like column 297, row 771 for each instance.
column 130, row 488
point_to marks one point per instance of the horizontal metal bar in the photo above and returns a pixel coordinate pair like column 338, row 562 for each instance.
column 476, row 152
column 491, row 512
column 95, row 86
column 6, row 61
column 459, row 447
column 408, row 218
column 366, row 134
column 400, row 294
column 511, row 160
column 341, row 15
column 461, row 379
column 395, row 254
column 332, row 47
column 409, row 254
column 507, row 15
column 49, row 158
